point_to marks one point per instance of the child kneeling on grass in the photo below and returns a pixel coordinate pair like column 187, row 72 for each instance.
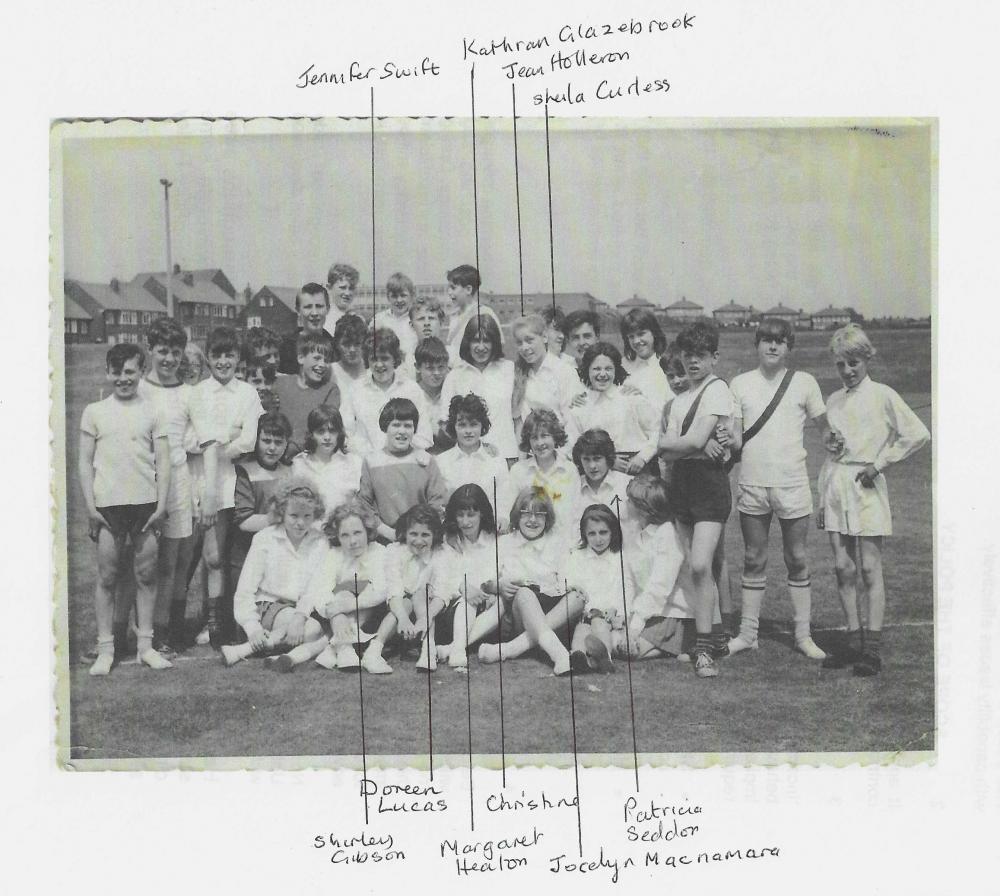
column 270, row 603
column 872, row 427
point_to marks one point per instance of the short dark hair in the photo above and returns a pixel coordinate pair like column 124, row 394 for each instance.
column 671, row 359
column 421, row 513
column 775, row 329
column 490, row 329
column 465, row 275
column 398, row 409
column 594, row 443
column 430, row 351
column 595, row 351
column 313, row 289
column 306, row 343
column 400, row 283
column 641, row 319
column 469, row 405
column 468, row 497
column 274, row 423
column 261, row 337
column 340, row 271
column 166, row 331
column 321, row 417
column 351, row 329
column 579, row 317
column 554, row 316
column 604, row 514
column 541, row 419
column 125, row 351
column 384, row 340
column 699, row 337
column 222, row 339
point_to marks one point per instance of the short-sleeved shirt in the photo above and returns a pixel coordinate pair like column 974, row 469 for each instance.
column 124, row 456
column 775, row 456
column 173, row 404
column 647, row 376
column 337, row 479
column 716, row 400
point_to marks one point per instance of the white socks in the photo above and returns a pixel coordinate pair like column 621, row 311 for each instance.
column 753, row 588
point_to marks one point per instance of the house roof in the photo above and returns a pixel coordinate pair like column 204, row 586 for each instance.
column 72, row 310
column 733, row 307
column 128, row 297
column 830, row 311
column 636, row 302
column 780, row 310
column 284, row 294
column 684, row 304
column 201, row 289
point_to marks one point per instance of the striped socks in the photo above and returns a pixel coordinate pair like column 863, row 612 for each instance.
column 752, row 588
column 801, row 595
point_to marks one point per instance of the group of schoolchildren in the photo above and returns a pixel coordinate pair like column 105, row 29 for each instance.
column 357, row 490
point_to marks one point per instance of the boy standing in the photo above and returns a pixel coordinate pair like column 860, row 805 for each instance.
column 400, row 292
column 124, row 474
column 463, row 290
column 342, row 283
column 431, row 362
column 312, row 302
column 772, row 404
column 582, row 329
column 225, row 412
column 427, row 316
column 312, row 386
column 700, row 489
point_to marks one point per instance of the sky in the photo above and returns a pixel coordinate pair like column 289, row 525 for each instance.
column 806, row 216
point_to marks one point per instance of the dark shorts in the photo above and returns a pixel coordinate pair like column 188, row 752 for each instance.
column 126, row 520
column 700, row 492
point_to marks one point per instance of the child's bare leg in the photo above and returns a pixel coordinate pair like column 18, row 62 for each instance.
column 555, row 619
column 705, row 536
column 145, row 563
column 602, row 631
column 579, row 637
column 755, row 531
column 845, row 563
column 373, row 661
column 104, row 601
column 871, row 573
column 793, row 536
column 537, row 628
column 124, row 597
column 425, row 613
column 720, row 571
column 313, row 644
column 464, row 622
column 486, row 622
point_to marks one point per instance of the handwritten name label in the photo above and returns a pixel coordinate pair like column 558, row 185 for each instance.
column 485, row 856
column 404, row 797
column 499, row 802
column 360, row 849
column 356, row 72
column 658, row 822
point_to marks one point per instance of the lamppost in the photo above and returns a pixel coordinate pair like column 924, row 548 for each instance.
column 170, row 263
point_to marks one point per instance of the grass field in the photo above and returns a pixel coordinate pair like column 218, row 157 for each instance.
column 771, row 700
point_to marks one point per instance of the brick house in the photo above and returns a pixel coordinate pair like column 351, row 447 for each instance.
column 203, row 299
column 272, row 307
column 121, row 312
column 830, row 318
column 732, row 315
column 684, row 311
column 781, row 312
column 77, row 323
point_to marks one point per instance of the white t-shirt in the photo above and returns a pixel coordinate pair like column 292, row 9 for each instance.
column 480, row 468
column 775, row 456
column 458, row 323
column 656, row 559
column 599, row 576
column 173, row 404
column 494, row 385
column 124, row 457
column 336, row 479
column 649, row 377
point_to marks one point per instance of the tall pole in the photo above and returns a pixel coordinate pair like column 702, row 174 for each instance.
column 170, row 262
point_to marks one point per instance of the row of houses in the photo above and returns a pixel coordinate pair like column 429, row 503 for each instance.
column 734, row 315
column 120, row 311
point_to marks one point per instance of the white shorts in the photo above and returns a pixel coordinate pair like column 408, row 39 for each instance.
column 786, row 502
column 848, row 507
column 179, row 504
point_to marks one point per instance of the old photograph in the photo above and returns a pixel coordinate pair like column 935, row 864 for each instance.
column 426, row 438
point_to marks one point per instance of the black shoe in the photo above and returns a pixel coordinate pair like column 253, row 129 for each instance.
column 867, row 665
column 580, row 663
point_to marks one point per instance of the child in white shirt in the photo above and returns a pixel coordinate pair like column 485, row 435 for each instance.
column 326, row 460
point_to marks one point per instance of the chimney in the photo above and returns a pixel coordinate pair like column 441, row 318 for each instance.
column 115, row 285
column 177, row 268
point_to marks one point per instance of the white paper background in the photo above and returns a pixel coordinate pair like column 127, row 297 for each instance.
column 922, row 830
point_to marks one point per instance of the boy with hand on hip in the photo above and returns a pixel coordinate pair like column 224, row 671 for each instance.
column 772, row 405
column 124, row 471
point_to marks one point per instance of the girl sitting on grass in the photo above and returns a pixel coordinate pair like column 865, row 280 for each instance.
column 270, row 602
column 532, row 585
column 410, row 590
column 596, row 567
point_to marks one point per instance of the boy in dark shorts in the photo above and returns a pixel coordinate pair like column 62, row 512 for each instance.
column 124, row 475
column 701, row 496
